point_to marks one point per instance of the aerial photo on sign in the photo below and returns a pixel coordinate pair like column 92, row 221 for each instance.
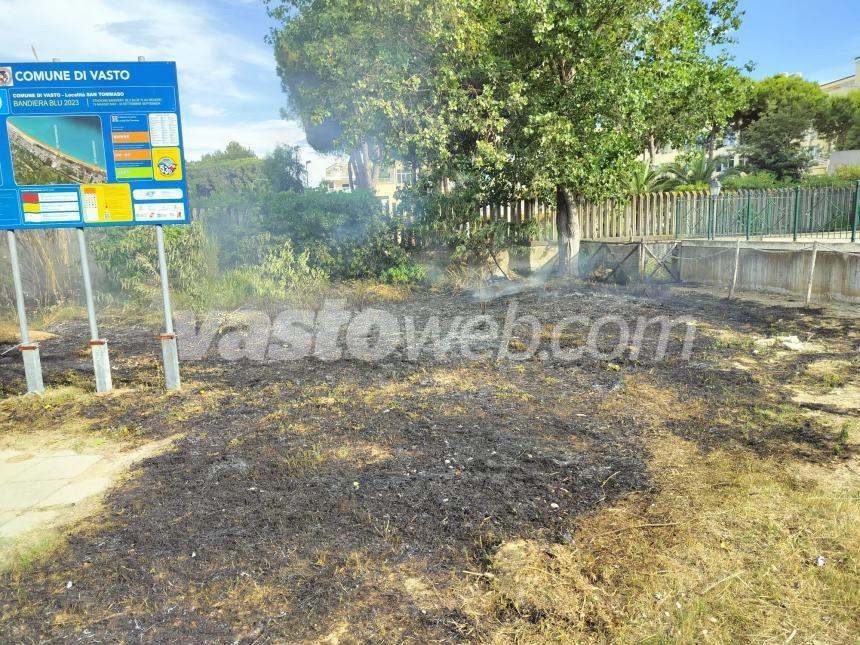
column 90, row 144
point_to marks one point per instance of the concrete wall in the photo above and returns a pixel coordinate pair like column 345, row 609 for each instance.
column 597, row 260
column 535, row 257
column 776, row 267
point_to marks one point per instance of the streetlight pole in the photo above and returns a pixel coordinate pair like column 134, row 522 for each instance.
column 715, row 187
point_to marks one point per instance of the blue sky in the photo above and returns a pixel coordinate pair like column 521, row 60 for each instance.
column 816, row 38
column 229, row 87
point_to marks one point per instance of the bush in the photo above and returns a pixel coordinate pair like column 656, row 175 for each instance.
column 346, row 235
column 848, row 173
column 243, row 286
column 404, row 274
column 129, row 258
column 767, row 180
column 293, row 273
column 488, row 241
column 825, row 181
column 689, row 188
column 281, row 276
column 755, row 180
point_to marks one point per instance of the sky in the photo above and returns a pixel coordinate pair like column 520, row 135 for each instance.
column 229, row 88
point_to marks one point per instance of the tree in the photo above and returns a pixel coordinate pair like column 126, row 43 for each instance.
column 510, row 98
column 582, row 88
column 781, row 112
column 780, row 92
column 701, row 98
column 645, row 178
column 839, row 121
column 234, row 150
column 232, row 174
column 773, row 143
column 362, row 76
column 693, row 168
column 284, row 169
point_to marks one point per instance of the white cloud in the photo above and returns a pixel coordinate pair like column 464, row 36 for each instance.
column 210, row 60
column 227, row 80
column 205, row 111
column 260, row 136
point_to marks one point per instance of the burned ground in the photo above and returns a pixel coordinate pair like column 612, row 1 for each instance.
column 355, row 501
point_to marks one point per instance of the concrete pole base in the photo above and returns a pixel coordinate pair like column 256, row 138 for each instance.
column 33, row 368
column 171, row 362
column 101, row 365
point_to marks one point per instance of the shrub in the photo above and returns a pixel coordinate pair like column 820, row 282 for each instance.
column 346, row 235
column 292, row 273
column 404, row 274
column 129, row 258
column 487, row 242
column 760, row 179
column 825, row 181
column 848, row 173
column 279, row 276
column 244, row 286
column 689, row 188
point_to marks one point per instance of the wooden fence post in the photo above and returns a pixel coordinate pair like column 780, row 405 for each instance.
column 735, row 272
column 811, row 272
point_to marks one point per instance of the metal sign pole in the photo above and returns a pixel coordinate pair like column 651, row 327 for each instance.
column 98, row 346
column 29, row 351
column 169, row 351
column 168, row 338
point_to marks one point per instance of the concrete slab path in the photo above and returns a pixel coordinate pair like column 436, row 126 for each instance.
column 42, row 486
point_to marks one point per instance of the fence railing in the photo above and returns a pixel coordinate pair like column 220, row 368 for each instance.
column 786, row 213
column 780, row 213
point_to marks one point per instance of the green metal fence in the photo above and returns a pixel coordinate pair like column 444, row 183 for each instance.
column 792, row 213
column 788, row 213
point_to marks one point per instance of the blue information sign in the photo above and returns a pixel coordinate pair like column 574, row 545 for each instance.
column 90, row 144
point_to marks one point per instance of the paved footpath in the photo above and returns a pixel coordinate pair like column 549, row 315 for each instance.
column 39, row 487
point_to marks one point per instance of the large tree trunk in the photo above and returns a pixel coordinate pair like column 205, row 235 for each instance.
column 362, row 167
column 652, row 149
column 712, row 140
column 366, row 169
column 567, row 225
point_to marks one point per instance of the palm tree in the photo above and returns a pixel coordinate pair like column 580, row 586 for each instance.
column 647, row 179
column 695, row 169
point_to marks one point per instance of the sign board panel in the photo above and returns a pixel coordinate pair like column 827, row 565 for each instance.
column 90, row 144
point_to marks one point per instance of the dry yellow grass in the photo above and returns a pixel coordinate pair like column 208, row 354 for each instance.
column 652, row 404
column 724, row 552
column 11, row 335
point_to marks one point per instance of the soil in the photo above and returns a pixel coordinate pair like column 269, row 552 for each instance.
column 342, row 500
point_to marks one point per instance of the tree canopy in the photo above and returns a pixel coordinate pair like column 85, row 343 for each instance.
column 236, row 175
column 774, row 125
column 285, row 170
column 839, row 121
column 234, row 150
column 507, row 98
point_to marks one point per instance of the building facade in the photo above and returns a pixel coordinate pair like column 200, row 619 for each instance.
column 846, row 84
column 819, row 148
column 391, row 177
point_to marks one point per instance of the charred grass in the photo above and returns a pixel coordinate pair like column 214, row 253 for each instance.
column 533, row 501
